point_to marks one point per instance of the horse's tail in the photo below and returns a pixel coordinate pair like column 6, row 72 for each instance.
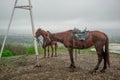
column 107, row 51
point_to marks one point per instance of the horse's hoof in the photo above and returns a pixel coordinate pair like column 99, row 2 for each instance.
column 55, row 55
column 93, row 71
column 72, row 70
column 37, row 66
column 102, row 71
column 72, row 66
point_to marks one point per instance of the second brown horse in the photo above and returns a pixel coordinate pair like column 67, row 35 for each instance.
column 52, row 44
column 96, row 38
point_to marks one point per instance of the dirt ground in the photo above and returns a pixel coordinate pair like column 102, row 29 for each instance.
column 56, row 68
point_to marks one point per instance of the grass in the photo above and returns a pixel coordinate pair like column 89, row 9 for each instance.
column 63, row 49
column 82, row 51
column 15, row 61
column 87, row 51
column 6, row 59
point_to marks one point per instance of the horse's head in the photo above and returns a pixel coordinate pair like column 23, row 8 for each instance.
column 47, row 40
column 38, row 33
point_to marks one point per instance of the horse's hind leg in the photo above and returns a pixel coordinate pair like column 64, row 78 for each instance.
column 48, row 51
column 105, row 65
column 52, row 50
column 56, row 50
column 98, row 63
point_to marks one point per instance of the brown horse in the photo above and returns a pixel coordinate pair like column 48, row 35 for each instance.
column 95, row 38
column 53, row 44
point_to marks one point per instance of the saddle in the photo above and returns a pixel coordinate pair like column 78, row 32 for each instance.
column 80, row 35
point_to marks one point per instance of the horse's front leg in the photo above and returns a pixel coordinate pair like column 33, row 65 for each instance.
column 52, row 50
column 71, row 58
column 55, row 50
column 44, row 52
column 48, row 51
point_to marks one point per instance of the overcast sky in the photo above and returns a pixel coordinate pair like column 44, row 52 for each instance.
column 61, row 15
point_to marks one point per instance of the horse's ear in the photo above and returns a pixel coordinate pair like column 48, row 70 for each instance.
column 39, row 29
column 49, row 33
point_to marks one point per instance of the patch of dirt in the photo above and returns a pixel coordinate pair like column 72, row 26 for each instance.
column 56, row 68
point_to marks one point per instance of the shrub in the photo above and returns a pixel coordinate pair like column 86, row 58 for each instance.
column 31, row 50
column 7, row 53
